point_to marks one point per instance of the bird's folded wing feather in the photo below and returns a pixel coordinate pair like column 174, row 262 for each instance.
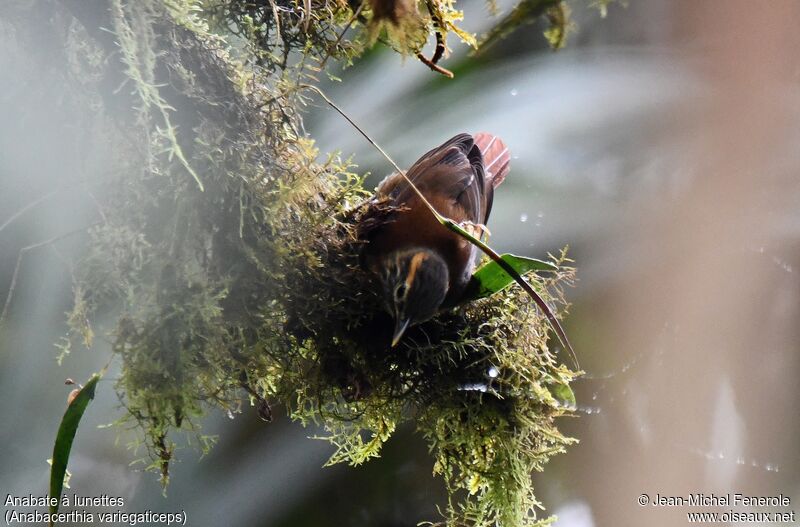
column 450, row 176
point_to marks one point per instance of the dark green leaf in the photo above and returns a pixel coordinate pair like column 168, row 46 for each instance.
column 491, row 278
column 66, row 434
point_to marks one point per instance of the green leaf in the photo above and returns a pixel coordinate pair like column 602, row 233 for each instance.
column 65, row 436
column 562, row 393
column 491, row 278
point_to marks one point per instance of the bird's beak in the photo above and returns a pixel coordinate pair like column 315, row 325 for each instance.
column 399, row 328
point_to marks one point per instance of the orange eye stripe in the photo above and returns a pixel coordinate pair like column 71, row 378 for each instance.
column 416, row 261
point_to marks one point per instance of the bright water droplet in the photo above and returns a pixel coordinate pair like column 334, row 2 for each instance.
column 514, row 92
column 230, row 414
column 493, row 372
column 473, row 387
column 782, row 264
column 523, row 217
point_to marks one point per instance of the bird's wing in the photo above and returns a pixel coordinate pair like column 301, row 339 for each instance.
column 451, row 176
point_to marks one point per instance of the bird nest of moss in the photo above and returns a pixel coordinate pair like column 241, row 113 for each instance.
column 299, row 323
column 225, row 262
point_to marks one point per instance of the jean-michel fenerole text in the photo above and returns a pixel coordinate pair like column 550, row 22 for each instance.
column 720, row 500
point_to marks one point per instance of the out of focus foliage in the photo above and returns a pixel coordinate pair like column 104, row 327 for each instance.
column 227, row 255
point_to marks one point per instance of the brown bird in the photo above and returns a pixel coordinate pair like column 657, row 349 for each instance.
column 422, row 266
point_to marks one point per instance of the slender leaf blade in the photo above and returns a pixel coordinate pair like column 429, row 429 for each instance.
column 491, row 278
column 66, row 435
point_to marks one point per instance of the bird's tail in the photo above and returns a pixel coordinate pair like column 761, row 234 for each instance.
column 496, row 157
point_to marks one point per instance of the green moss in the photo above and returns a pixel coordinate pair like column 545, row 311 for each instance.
column 228, row 259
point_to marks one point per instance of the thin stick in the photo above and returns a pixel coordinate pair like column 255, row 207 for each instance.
column 435, row 67
column 341, row 35
column 441, row 47
column 307, row 13
column 551, row 318
column 402, row 172
column 26, row 208
column 453, row 226
column 21, row 255
column 277, row 18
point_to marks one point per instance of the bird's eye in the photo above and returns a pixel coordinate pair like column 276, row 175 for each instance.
column 400, row 292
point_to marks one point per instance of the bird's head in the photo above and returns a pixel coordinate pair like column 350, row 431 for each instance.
column 415, row 283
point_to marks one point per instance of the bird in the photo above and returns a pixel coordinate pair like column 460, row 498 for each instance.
column 421, row 266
